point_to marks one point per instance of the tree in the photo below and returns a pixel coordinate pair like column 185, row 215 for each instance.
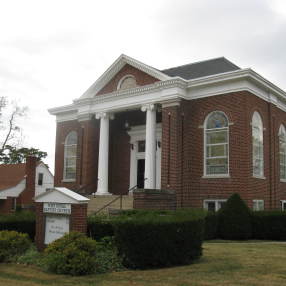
column 10, row 134
column 14, row 155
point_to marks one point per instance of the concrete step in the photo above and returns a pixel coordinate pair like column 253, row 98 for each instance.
column 97, row 202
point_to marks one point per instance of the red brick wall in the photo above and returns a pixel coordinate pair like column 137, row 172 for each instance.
column 6, row 206
column 239, row 108
column 26, row 197
column 141, row 79
column 87, row 154
column 154, row 200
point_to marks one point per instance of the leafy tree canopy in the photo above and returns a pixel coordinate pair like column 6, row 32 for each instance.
column 14, row 155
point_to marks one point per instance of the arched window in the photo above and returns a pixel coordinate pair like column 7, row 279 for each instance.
column 70, row 156
column 216, row 144
column 128, row 81
column 257, row 145
column 282, row 152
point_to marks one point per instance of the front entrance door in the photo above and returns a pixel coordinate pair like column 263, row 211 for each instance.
column 140, row 173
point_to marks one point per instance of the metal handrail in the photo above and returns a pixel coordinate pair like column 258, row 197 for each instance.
column 114, row 200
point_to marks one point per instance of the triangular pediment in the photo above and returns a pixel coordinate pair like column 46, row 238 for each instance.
column 123, row 66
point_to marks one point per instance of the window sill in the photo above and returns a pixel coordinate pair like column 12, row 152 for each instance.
column 259, row 177
column 68, row 180
column 283, row 180
column 216, row 177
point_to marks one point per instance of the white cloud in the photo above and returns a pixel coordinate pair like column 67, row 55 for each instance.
column 52, row 51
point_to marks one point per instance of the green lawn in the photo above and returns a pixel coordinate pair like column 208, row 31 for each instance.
column 249, row 263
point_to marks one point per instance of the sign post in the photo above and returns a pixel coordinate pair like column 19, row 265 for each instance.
column 59, row 211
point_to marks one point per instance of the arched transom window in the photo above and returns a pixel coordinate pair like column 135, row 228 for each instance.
column 216, row 144
column 257, row 145
column 70, row 156
column 128, row 81
column 282, row 152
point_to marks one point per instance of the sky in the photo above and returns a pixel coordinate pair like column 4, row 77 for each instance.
column 52, row 51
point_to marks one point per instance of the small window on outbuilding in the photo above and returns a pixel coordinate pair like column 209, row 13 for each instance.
column 40, row 179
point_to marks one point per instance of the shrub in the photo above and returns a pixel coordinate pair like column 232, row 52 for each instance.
column 107, row 258
column 30, row 257
column 24, row 222
column 211, row 226
column 74, row 254
column 234, row 219
column 269, row 225
column 12, row 243
column 147, row 239
column 99, row 226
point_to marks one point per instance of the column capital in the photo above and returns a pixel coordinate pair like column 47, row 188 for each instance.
column 107, row 115
column 149, row 106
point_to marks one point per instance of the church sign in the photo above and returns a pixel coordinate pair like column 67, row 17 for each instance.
column 59, row 211
column 57, row 208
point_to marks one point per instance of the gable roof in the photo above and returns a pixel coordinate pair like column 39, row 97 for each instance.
column 11, row 175
column 201, row 69
column 115, row 68
column 61, row 195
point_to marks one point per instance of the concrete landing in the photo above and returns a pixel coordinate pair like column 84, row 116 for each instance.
column 97, row 202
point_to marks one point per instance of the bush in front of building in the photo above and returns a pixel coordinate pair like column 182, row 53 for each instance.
column 269, row 225
column 12, row 244
column 234, row 219
column 73, row 254
column 22, row 221
column 148, row 239
column 99, row 226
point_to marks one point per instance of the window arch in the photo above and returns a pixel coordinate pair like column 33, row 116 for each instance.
column 216, row 133
column 257, row 145
column 128, row 81
column 282, row 151
column 70, row 156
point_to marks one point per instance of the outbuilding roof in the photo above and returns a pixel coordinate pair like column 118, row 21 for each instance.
column 11, row 175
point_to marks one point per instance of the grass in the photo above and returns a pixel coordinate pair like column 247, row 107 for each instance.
column 223, row 263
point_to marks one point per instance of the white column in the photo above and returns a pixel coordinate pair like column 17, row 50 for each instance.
column 150, row 146
column 102, row 183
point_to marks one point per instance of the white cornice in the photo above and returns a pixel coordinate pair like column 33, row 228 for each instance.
column 115, row 68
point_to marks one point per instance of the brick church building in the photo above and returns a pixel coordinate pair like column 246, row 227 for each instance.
column 204, row 130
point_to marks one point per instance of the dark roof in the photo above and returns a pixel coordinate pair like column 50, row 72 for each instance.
column 200, row 69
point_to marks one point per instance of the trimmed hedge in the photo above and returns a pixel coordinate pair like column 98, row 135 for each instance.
column 234, row 219
column 269, row 225
column 99, row 226
column 147, row 239
column 23, row 221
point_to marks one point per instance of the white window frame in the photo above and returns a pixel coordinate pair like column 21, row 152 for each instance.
column 223, row 175
column 216, row 201
column 124, row 78
column 65, row 157
column 261, row 174
column 282, row 207
column 282, row 137
column 256, row 207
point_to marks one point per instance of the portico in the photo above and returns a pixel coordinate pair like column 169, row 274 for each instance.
column 145, row 151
